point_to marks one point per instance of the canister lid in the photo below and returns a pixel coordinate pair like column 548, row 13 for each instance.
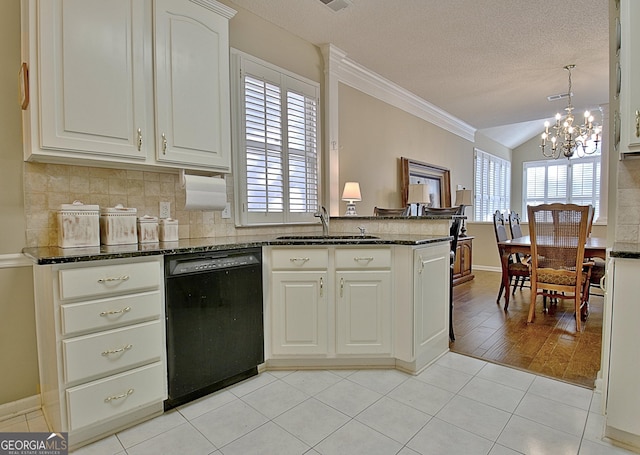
column 79, row 206
column 148, row 219
column 168, row 221
column 119, row 209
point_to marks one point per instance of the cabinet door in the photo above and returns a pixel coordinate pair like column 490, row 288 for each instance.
column 630, row 75
column 431, row 303
column 92, row 78
column 299, row 312
column 623, row 399
column 192, row 85
column 363, row 312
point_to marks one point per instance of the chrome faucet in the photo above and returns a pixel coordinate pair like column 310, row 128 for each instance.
column 324, row 219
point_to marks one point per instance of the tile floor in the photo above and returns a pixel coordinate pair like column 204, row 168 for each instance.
column 459, row 405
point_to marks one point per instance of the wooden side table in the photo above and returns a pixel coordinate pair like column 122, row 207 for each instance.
column 462, row 267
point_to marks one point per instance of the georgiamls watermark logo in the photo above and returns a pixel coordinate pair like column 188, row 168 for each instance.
column 33, row 444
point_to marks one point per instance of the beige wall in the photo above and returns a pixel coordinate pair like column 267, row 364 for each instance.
column 373, row 137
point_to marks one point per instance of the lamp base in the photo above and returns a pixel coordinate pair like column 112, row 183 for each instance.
column 351, row 209
column 463, row 230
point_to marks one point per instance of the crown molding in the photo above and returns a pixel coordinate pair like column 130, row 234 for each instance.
column 216, row 7
column 361, row 78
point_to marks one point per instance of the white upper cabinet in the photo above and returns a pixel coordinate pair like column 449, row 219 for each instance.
column 192, row 83
column 627, row 76
column 92, row 75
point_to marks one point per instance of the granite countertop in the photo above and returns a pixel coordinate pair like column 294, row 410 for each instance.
column 57, row 255
column 625, row 250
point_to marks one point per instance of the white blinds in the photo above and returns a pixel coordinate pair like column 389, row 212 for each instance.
column 574, row 181
column 492, row 184
column 279, row 145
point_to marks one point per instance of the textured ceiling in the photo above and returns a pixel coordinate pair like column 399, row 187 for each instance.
column 489, row 63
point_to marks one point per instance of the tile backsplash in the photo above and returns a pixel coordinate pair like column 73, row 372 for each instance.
column 628, row 201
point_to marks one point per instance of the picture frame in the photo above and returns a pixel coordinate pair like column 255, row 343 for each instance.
column 24, row 86
column 438, row 180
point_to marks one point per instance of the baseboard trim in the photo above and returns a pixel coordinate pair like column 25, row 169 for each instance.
column 486, row 268
column 19, row 407
column 9, row 261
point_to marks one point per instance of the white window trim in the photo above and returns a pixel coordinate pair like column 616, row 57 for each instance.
column 506, row 198
column 238, row 60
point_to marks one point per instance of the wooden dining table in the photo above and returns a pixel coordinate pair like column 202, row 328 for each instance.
column 595, row 247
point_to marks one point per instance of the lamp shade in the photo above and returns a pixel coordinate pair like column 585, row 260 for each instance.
column 418, row 193
column 463, row 197
column 351, row 192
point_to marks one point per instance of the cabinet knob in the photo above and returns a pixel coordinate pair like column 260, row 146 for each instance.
column 139, row 139
column 321, row 286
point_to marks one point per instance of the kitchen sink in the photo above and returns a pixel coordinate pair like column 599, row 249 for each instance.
column 326, row 238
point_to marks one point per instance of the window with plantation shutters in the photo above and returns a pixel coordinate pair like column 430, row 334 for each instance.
column 276, row 151
column 492, row 185
column 575, row 181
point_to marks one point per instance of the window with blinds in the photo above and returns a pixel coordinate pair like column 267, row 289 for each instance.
column 492, row 185
column 575, row 181
column 277, row 144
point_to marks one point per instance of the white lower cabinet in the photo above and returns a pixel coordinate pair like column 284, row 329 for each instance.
column 101, row 344
column 622, row 384
column 357, row 305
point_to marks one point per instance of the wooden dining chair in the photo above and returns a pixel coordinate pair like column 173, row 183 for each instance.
column 516, row 231
column 515, row 269
column 454, row 232
column 379, row 211
column 599, row 265
column 558, row 234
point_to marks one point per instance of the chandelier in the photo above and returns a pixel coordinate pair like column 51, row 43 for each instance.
column 568, row 139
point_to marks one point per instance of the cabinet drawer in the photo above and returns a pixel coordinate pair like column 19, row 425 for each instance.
column 363, row 258
column 106, row 352
column 299, row 258
column 109, row 279
column 115, row 395
column 111, row 312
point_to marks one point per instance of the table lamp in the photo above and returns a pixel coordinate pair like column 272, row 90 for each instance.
column 463, row 198
column 418, row 194
column 351, row 194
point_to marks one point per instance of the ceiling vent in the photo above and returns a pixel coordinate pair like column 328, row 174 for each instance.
column 336, row 5
column 560, row 96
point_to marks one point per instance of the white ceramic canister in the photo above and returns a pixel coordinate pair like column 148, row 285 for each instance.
column 168, row 230
column 148, row 229
column 118, row 225
column 78, row 225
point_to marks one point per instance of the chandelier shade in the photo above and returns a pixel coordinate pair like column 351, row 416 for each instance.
column 565, row 138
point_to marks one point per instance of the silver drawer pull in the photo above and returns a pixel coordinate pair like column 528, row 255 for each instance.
column 117, row 397
column 120, row 311
column 115, row 278
column 116, row 351
column 296, row 260
column 359, row 258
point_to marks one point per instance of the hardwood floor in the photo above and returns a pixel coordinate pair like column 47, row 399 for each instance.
column 549, row 346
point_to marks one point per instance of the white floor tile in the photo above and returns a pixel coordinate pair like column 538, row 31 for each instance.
column 311, row 382
column 381, row 381
column 348, row 397
column 251, row 384
column 205, row 404
column 552, row 414
column 150, row 428
column 563, row 392
column 593, row 448
column 445, row 378
column 274, row 398
column 106, row 446
column 422, row 396
column 266, row 440
column 183, row 440
column 502, row 450
column 442, row 438
column 407, row 451
column 494, row 394
column 460, row 362
column 476, row 417
column 527, row 436
column 228, row 422
column 17, row 426
column 397, row 420
column 594, row 430
column 311, row 421
column 38, row 424
column 357, row 439
column 507, row 376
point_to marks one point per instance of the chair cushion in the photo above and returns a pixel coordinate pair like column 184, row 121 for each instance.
column 559, row 277
column 518, row 268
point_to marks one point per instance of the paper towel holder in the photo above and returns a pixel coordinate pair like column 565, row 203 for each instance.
column 183, row 181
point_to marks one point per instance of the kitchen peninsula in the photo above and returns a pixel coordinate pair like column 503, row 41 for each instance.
column 339, row 301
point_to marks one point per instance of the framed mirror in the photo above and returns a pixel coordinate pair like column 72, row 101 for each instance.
column 436, row 178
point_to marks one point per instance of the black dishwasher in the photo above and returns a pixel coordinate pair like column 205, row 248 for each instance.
column 215, row 332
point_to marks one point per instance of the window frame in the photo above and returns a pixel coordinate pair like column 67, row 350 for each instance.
column 241, row 65
column 568, row 197
column 484, row 203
